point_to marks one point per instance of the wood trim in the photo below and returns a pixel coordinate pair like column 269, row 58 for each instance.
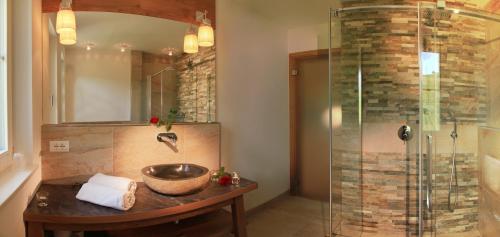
column 177, row 10
column 294, row 60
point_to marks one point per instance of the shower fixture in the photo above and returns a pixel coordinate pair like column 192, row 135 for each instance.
column 433, row 16
column 453, row 173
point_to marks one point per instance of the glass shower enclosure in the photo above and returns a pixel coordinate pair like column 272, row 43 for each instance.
column 414, row 120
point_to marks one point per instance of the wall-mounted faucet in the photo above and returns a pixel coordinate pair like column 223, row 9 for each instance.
column 167, row 137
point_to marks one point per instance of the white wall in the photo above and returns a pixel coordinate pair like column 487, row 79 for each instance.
column 308, row 38
column 98, row 85
column 313, row 37
column 26, row 62
column 252, row 98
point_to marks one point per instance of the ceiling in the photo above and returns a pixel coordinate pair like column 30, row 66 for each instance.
column 111, row 30
column 293, row 13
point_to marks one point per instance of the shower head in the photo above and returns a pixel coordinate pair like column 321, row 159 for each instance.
column 433, row 16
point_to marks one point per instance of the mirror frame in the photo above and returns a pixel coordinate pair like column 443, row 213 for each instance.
column 182, row 11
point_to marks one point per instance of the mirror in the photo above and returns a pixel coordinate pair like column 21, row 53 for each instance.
column 125, row 68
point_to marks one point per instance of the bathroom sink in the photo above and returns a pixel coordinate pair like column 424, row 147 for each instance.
column 175, row 179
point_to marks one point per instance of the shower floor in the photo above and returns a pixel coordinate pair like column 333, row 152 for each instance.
column 292, row 216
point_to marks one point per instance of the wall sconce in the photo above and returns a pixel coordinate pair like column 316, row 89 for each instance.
column 66, row 24
column 191, row 41
column 204, row 37
column 205, row 32
column 67, row 37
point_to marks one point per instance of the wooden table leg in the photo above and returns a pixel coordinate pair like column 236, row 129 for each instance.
column 239, row 220
column 34, row 229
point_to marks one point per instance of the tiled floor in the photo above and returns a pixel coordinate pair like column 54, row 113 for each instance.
column 289, row 216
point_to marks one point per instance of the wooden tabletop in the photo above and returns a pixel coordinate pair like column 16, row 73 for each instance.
column 65, row 208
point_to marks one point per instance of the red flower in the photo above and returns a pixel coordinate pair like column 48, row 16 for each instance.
column 225, row 180
column 154, row 120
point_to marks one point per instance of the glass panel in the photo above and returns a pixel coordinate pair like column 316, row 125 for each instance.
column 375, row 92
column 459, row 77
column 346, row 142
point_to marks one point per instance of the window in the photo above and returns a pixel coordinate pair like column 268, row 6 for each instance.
column 4, row 84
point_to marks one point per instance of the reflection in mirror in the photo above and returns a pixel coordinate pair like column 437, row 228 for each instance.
column 128, row 72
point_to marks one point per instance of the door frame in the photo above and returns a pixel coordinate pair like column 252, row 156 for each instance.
column 294, row 60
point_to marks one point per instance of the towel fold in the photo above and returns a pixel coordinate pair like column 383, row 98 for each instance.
column 106, row 196
column 120, row 183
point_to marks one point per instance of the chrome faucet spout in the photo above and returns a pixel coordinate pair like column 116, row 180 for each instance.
column 167, row 137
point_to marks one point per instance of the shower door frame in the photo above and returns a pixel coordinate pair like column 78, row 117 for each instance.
column 418, row 8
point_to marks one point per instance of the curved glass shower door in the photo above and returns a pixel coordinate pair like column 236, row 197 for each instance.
column 459, row 70
column 415, row 124
column 375, row 112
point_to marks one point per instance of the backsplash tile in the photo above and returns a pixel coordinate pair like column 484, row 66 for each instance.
column 91, row 151
column 125, row 150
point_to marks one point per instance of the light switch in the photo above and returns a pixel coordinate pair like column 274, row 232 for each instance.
column 59, row 146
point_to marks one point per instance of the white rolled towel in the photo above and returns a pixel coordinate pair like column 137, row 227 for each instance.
column 106, row 196
column 120, row 183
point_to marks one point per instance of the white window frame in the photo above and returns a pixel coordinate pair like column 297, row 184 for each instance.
column 6, row 73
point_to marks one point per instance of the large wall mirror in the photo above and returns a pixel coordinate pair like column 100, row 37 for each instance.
column 126, row 68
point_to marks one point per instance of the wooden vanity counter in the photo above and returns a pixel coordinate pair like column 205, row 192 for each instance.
column 65, row 212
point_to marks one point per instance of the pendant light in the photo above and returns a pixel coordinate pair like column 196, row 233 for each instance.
column 205, row 32
column 191, row 41
column 65, row 17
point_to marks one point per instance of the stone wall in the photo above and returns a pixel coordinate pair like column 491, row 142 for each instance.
column 196, row 85
column 379, row 181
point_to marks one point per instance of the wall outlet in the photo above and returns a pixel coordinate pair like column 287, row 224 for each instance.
column 59, row 146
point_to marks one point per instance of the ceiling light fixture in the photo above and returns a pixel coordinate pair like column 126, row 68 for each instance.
column 124, row 47
column 169, row 51
column 205, row 32
column 191, row 41
column 89, row 46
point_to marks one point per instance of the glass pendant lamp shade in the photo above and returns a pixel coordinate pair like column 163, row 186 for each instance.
column 67, row 37
column 190, row 43
column 65, row 20
column 205, row 35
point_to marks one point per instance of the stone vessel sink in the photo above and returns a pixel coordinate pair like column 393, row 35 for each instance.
column 175, row 179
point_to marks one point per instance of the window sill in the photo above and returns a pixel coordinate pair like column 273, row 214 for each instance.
column 11, row 179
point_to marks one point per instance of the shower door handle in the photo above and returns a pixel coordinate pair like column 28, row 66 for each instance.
column 429, row 173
